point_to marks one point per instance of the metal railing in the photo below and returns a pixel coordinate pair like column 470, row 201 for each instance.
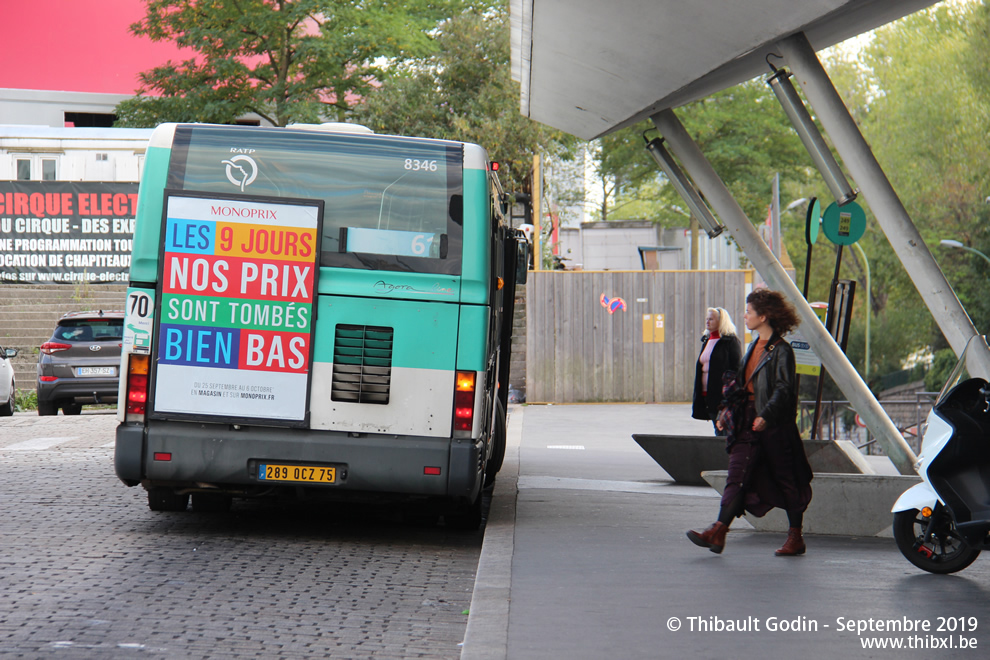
column 836, row 422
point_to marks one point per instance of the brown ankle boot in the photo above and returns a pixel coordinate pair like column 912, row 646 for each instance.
column 794, row 545
column 712, row 538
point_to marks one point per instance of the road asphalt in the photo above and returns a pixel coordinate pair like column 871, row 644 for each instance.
column 585, row 556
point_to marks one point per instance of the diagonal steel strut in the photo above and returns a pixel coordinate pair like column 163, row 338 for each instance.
column 745, row 234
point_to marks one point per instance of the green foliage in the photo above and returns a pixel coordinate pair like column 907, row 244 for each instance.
column 941, row 367
column 26, row 400
column 742, row 131
column 628, row 175
column 464, row 91
column 747, row 138
column 285, row 60
column 920, row 93
column 929, row 126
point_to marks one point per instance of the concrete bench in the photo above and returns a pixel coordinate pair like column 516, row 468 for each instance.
column 685, row 457
column 842, row 504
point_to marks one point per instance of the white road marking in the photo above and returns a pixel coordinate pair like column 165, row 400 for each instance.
column 38, row 444
column 648, row 487
column 580, row 447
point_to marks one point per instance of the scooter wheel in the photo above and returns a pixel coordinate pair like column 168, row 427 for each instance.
column 941, row 551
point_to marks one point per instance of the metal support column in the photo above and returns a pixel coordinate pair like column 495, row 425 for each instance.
column 536, row 201
column 858, row 158
column 743, row 231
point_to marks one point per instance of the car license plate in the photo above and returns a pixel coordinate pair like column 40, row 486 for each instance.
column 95, row 371
column 303, row 473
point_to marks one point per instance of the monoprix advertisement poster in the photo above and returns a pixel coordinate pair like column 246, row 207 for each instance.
column 237, row 291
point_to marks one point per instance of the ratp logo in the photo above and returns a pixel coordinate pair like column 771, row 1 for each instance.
column 241, row 175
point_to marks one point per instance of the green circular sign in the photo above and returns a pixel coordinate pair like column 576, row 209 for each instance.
column 844, row 225
column 813, row 221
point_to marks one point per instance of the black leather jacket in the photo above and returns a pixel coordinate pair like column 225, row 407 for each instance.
column 725, row 356
column 775, row 382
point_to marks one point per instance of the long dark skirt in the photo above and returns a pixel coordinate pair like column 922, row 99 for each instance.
column 770, row 467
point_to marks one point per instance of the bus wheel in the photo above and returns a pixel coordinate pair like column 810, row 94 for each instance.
column 494, row 463
column 211, row 502
column 466, row 520
column 166, row 499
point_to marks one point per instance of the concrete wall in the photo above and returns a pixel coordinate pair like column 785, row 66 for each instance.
column 48, row 108
column 517, row 366
column 615, row 246
column 717, row 253
column 29, row 312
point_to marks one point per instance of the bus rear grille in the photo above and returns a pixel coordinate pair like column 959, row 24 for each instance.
column 362, row 364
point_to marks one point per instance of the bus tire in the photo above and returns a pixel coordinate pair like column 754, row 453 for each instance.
column 166, row 499
column 465, row 520
column 494, row 463
column 211, row 502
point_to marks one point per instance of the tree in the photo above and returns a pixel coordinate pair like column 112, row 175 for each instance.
column 927, row 126
column 626, row 173
column 284, row 60
column 464, row 91
column 747, row 138
column 741, row 130
column 922, row 100
column 942, row 366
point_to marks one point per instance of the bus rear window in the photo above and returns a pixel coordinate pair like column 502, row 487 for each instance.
column 390, row 203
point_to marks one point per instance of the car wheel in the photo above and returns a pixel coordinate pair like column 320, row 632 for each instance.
column 46, row 408
column 71, row 408
column 7, row 409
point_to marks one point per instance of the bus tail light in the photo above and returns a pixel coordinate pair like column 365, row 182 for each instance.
column 137, row 387
column 464, row 401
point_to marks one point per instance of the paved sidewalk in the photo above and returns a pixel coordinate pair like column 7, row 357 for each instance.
column 585, row 557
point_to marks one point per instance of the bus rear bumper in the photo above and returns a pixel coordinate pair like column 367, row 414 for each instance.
column 195, row 456
column 127, row 453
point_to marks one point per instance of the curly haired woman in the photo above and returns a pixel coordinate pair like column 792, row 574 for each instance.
column 767, row 464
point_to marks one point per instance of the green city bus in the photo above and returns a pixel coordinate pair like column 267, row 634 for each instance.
column 317, row 311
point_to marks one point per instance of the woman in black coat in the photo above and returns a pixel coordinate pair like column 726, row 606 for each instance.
column 719, row 352
column 767, row 464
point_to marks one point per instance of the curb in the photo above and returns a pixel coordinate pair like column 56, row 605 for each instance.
column 487, row 634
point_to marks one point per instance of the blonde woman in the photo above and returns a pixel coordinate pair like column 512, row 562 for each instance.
column 720, row 351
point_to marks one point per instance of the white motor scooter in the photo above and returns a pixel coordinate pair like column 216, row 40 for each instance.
column 942, row 524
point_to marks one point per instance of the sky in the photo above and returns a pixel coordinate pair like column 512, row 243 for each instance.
column 76, row 46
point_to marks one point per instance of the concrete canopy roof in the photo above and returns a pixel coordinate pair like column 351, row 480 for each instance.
column 589, row 67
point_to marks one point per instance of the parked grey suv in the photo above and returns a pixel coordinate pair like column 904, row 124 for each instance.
column 80, row 364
